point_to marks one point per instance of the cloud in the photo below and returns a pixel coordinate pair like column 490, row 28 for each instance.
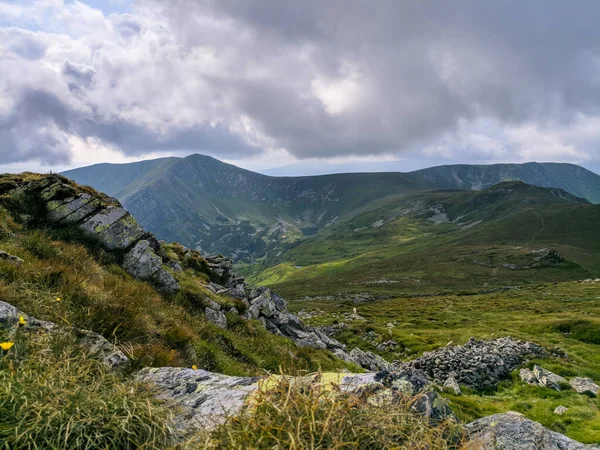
column 313, row 79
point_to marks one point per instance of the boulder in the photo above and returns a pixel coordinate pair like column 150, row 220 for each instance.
column 548, row 379
column 216, row 317
column 369, row 360
column 72, row 210
column 560, row 410
column 528, row 376
column 14, row 260
column 513, row 431
column 584, row 386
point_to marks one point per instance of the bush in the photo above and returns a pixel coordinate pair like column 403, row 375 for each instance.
column 54, row 395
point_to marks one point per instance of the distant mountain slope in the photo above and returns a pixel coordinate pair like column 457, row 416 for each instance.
column 217, row 207
column 509, row 234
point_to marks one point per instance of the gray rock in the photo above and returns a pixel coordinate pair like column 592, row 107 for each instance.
column 15, row 260
column 175, row 266
column 103, row 220
column 560, row 410
column 453, row 385
column 370, row 360
column 584, row 385
column 216, row 317
column 143, row 263
column 203, row 399
column 72, row 210
column 478, row 364
column 210, row 303
column 513, row 431
column 548, row 379
column 528, row 376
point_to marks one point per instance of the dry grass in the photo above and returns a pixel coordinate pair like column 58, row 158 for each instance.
column 54, row 395
column 315, row 417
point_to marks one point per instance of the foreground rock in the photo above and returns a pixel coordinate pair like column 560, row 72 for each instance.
column 15, row 260
column 477, row 364
column 513, row 431
column 95, row 344
column 204, row 399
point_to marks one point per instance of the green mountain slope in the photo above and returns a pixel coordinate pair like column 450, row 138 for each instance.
column 430, row 242
column 220, row 208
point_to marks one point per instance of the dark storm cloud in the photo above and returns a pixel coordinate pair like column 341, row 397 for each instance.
column 317, row 78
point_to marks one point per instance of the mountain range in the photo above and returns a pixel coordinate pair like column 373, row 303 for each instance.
column 219, row 208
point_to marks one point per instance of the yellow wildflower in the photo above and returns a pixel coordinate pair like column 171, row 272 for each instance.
column 22, row 321
column 58, row 299
column 194, row 367
column 6, row 345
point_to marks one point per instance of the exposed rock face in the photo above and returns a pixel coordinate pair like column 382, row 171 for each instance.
column 365, row 359
column 103, row 219
column 97, row 345
column 143, row 263
column 206, row 399
column 513, row 431
column 477, row 364
column 11, row 258
column 584, row 386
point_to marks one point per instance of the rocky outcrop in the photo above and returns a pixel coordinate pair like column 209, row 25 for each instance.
column 15, row 260
column 478, row 364
column 104, row 220
column 12, row 319
column 204, row 399
column 513, row 431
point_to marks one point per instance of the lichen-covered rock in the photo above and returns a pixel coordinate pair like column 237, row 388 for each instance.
column 549, row 379
column 15, row 260
column 94, row 343
column 114, row 227
column 528, row 376
column 216, row 317
column 73, row 209
column 203, row 400
column 143, row 263
column 584, row 386
column 513, row 431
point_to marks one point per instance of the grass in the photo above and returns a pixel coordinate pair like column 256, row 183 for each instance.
column 314, row 417
column 54, row 395
column 156, row 330
column 564, row 314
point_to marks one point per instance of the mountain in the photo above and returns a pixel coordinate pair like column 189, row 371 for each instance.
column 219, row 208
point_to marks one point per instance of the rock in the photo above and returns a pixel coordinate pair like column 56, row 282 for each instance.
column 202, row 400
column 96, row 344
column 453, row 385
column 548, row 379
column 528, row 376
column 210, row 303
column 232, row 310
column 15, row 260
column 370, row 361
column 72, row 210
column 175, row 266
column 216, row 317
column 584, row 386
column 477, row 364
column 560, row 410
column 143, row 263
column 513, row 431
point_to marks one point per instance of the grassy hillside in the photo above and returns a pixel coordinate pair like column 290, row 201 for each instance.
column 204, row 203
column 446, row 241
column 564, row 314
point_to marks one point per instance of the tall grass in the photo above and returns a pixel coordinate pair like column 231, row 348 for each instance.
column 293, row 416
column 54, row 395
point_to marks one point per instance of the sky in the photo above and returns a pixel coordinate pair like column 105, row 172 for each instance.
column 311, row 84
